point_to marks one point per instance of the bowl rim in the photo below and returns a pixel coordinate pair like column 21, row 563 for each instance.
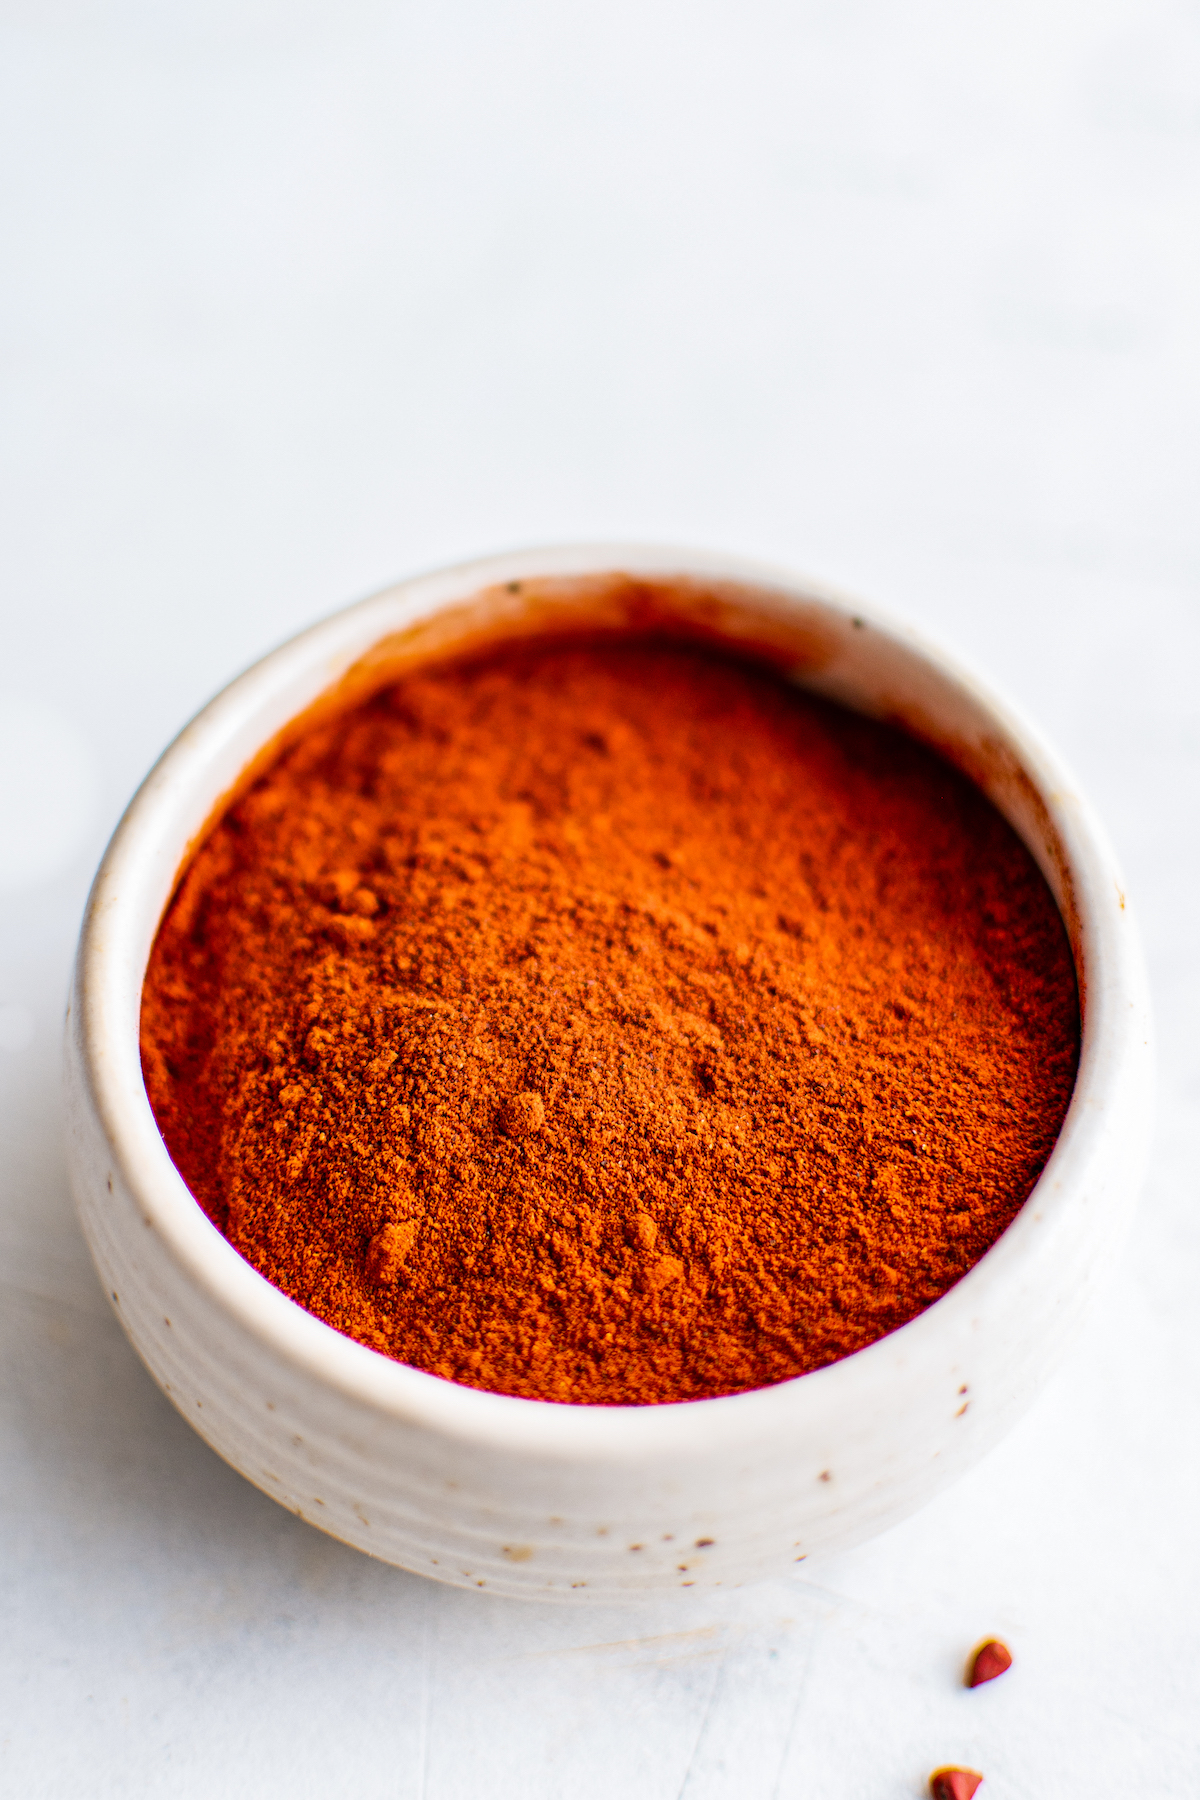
column 106, row 1003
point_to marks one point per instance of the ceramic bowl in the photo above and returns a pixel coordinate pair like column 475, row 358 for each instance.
column 596, row 1503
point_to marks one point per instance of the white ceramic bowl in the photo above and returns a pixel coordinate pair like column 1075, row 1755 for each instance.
column 539, row 1499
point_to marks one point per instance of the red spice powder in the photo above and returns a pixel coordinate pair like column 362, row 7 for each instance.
column 610, row 1023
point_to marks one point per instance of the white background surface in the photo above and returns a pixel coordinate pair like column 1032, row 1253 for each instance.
column 299, row 298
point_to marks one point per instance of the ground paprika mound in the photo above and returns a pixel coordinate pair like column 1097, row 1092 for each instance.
column 610, row 1023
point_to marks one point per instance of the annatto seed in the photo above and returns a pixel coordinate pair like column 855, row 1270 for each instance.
column 991, row 1659
column 954, row 1784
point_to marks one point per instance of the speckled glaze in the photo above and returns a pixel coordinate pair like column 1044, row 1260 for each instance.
column 599, row 1503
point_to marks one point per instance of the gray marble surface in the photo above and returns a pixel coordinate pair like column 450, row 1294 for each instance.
column 299, row 298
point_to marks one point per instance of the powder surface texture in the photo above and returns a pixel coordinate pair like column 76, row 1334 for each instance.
column 610, row 1023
